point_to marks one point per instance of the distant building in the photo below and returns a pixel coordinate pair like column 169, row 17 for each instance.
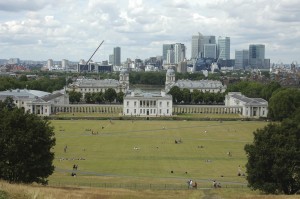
column 111, row 59
column 117, row 56
column 196, row 46
column 147, row 104
column 179, row 52
column 251, row 107
column 241, row 59
column 34, row 101
column 92, row 85
column 224, row 48
column 201, row 85
column 14, row 61
column 182, row 67
column 50, row 63
column 64, row 64
column 210, row 51
column 257, row 56
column 167, row 47
column 170, row 57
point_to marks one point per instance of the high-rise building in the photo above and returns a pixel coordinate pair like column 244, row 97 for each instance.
column 224, row 48
column 111, row 59
column 14, row 61
column 49, row 63
column 241, row 59
column 210, row 51
column 182, row 67
column 170, row 57
column 257, row 55
column 197, row 45
column 117, row 56
column 179, row 52
column 64, row 64
column 167, row 47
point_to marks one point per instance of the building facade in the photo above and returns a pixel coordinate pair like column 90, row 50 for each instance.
column 147, row 104
column 241, row 59
column 179, row 52
column 257, row 56
column 117, row 56
column 210, row 51
column 224, row 48
column 36, row 102
column 251, row 107
column 92, row 85
column 211, row 86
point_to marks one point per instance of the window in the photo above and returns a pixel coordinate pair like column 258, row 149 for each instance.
column 127, row 103
column 127, row 111
column 46, row 110
column 134, row 111
column 134, row 103
column 167, row 111
column 167, row 104
column 140, row 111
column 159, row 111
column 160, row 103
column 141, row 103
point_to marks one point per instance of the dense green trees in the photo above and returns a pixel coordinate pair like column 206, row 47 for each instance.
column 254, row 89
column 26, row 141
column 74, row 96
column 110, row 95
column 283, row 103
column 195, row 97
column 43, row 83
column 274, row 157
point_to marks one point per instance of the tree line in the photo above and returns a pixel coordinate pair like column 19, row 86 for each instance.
column 109, row 96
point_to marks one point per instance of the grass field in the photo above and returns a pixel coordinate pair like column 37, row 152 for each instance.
column 141, row 153
column 134, row 159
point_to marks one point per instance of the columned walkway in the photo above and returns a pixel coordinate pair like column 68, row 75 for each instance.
column 118, row 109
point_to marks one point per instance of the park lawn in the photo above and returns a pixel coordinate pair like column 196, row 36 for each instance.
column 109, row 152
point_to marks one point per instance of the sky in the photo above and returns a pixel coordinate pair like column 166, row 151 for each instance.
column 69, row 29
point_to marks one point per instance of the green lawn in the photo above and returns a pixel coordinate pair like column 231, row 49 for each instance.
column 109, row 154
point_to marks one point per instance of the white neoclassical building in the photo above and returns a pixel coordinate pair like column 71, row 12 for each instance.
column 147, row 104
column 34, row 101
column 251, row 107
column 92, row 85
column 211, row 86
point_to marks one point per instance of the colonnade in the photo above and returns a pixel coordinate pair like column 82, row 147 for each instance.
column 116, row 109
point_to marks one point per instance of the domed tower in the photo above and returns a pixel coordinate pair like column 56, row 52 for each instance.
column 170, row 79
column 124, row 79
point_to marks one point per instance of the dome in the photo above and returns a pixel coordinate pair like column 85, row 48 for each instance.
column 170, row 71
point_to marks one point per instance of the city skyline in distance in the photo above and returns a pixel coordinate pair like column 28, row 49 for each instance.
column 42, row 30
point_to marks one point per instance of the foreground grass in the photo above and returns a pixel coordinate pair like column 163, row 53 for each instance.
column 110, row 159
column 16, row 191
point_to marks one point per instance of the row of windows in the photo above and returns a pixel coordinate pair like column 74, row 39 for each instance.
column 147, row 111
column 148, row 103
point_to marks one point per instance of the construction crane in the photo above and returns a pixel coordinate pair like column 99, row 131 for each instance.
column 94, row 53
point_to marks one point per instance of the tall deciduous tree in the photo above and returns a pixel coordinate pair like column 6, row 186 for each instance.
column 274, row 158
column 283, row 103
column 110, row 95
column 26, row 141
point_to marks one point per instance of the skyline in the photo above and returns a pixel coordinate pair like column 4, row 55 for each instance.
column 43, row 29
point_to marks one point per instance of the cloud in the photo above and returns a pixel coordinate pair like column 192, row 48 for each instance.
column 140, row 27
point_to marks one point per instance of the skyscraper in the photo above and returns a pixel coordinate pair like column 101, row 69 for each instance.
column 257, row 55
column 179, row 52
column 241, row 59
column 117, row 56
column 210, row 51
column 196, row 48
column 224, row 48
column 167, row 47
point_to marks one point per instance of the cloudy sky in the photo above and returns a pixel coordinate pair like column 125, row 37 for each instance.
column 69, row 29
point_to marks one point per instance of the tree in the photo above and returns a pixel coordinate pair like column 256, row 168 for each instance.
column 274, row 158
column 283, row 103
column 120, row 97
column 268, row 90
column 186, row 95
column 88, row 98
column 26, row 141
column 176, row 94
column 74, row 96
column 110, row 95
